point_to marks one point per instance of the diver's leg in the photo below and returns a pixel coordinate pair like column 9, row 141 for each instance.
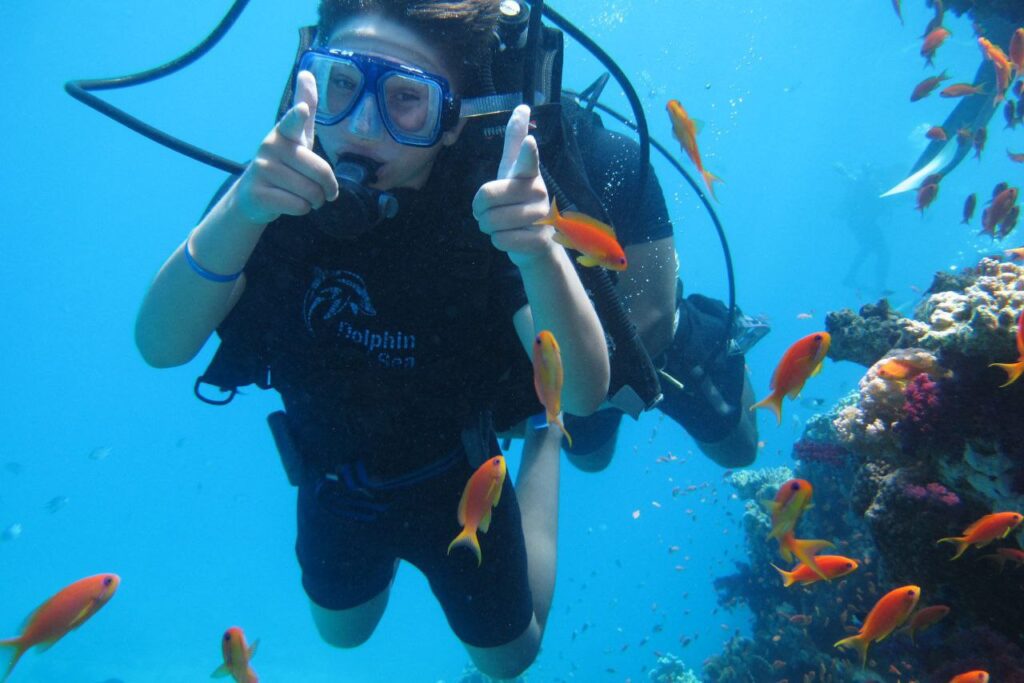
column 348, row 628
column 537, row 494
column 739, row 447
column 594, row 439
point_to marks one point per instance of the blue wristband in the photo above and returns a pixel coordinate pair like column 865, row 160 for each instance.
column 203, row 272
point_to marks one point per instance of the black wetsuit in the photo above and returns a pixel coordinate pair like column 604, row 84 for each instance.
column 383, row 349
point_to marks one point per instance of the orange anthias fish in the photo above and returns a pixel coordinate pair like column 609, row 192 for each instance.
column 237, row 655
column 1014, row 370
column 937, row 133
column 802, row 360
column 804, row 550
column 906, row 369
column 926, row 194
column 962, row 90
column 984, row 531
column 969, row 204
column 1003, row 67
column 684, row 129
column 1016, row 157
column 976, row 676
column 1017, row 51
column 932, row 42
column 67, row 610
column 548, row 377
column 594, row 240
column 1004, row 555
column 924, row 618
column 793, row 497
column 886, row 616
column 925, row 87
column 482, row 493
column 834, row 566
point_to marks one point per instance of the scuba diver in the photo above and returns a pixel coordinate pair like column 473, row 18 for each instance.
column 996, row 20
column 385, row 339
column 379, row 265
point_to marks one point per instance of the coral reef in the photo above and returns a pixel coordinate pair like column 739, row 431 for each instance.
column 670, row 669
column 926, row 445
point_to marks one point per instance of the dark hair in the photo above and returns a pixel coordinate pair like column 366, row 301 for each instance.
column 459, row 30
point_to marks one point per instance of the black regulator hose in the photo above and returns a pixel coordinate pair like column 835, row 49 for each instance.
column 723, row 342
column 634, row 100
column 82, row 89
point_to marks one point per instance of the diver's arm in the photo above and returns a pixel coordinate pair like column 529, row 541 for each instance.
column 182, row 308
column 558, row 303
column 648, row 289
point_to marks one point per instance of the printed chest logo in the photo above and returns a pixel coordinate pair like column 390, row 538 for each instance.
column 338, row 306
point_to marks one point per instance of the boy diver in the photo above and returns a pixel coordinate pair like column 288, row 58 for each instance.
column 367, row 334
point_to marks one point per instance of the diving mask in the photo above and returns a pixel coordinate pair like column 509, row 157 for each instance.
column 416, row 107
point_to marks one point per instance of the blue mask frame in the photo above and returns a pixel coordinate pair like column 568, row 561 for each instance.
column 375, row 70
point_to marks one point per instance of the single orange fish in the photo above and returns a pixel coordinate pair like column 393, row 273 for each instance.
column 1017, row 51
column 802, row 360
column 886, row 616
column 237, row 655
column 1004, row 555
column 924, row 618
column 1017, row 157
column 969, row 204
column 925, row 87
column 548, row 377
column 594, row 240
column 937, row 133
column 962, row 90
column 1003, row 67
column 482, row 493
column 1014, row 370
column 834, row 566
column 906, row 369
column 684, row 129
column 976, row 676
column 1000, row 207
column 67, row 610
column 926, row 194
column 792, row 498
column 932, row 42
column 984, row 531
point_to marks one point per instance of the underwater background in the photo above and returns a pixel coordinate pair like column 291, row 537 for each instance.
column 110, row 466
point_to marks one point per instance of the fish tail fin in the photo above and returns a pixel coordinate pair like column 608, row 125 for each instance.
column 18, row 652
column 805, row 550
column 859, row 644
column 787, row 577
column 467, row 539
column 1013, row 371
column 561, row 426
column 709, row 180
column 774, row 403
column 553, row 214
column 961, row 544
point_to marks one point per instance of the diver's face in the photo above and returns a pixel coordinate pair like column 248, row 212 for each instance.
column 362, row 132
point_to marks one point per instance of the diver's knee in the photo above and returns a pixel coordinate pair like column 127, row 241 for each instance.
column 730, row 455
column 349, row 628
column 509, row 660
column 595, row 461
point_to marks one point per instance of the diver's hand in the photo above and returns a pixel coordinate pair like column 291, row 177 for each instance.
column 286, row 176
column 508, row 207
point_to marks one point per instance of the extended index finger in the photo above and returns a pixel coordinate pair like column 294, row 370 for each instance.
column 516, row 131
column 305, row 91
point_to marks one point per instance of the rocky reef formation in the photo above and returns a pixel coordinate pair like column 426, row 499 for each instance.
column 928, row 443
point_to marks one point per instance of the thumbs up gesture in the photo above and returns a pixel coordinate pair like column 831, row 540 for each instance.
column 507, row 208
column 286, row 176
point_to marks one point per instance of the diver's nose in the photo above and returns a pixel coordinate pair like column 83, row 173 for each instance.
column 364, row 122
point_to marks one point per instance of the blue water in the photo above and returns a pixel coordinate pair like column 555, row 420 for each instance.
column 191, row 507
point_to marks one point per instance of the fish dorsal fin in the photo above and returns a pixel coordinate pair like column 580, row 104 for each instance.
column 252, row 648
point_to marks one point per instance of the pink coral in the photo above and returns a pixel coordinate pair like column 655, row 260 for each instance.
column 932, row 493
column 820, row 451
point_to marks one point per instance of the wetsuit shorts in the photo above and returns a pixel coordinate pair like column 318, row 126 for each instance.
column 352, row 529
